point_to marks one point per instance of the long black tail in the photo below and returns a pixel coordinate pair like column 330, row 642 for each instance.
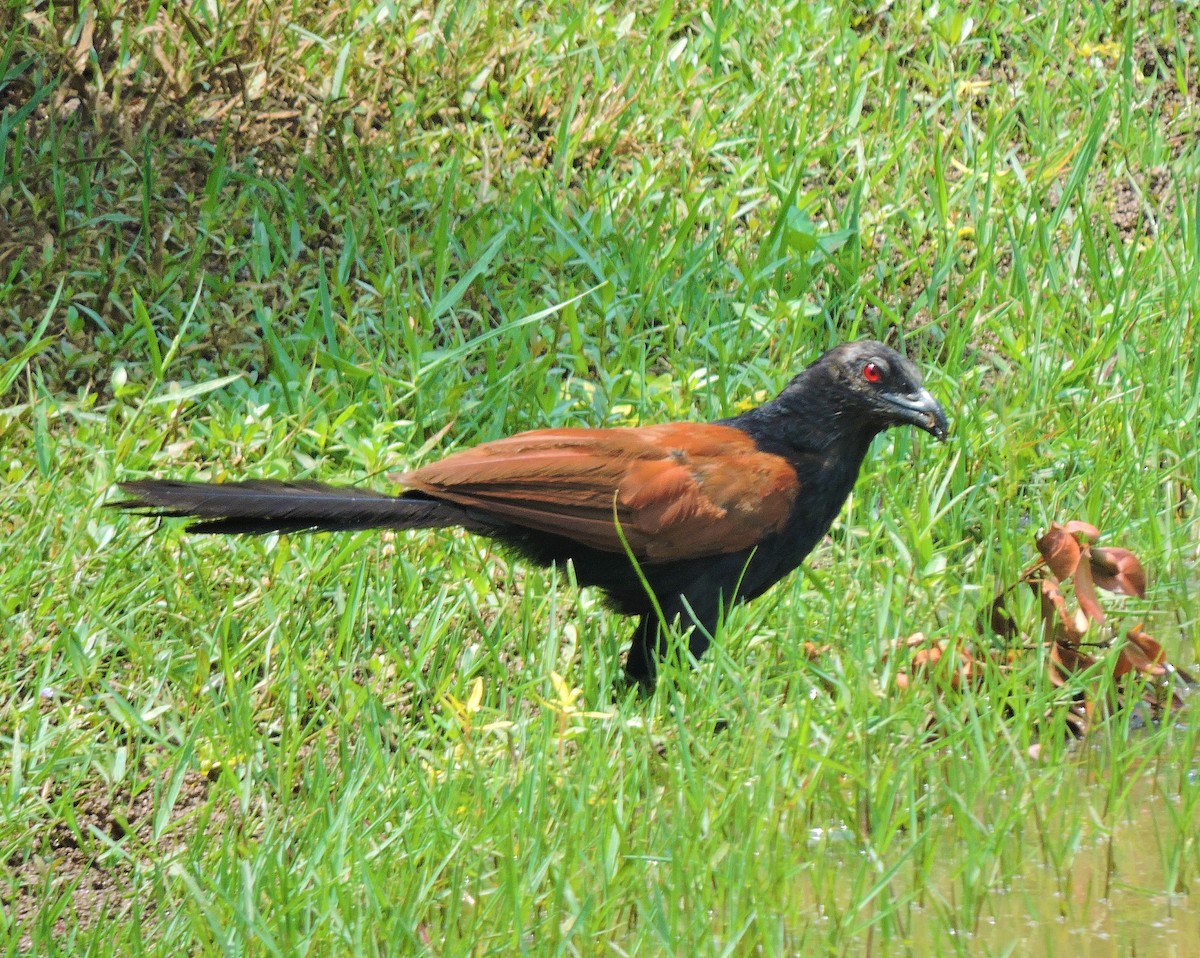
column 261, row 506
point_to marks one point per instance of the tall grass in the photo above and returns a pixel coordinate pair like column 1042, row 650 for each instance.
column 239, row 240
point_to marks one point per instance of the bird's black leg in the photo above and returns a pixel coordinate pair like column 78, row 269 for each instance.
column 649, row 643
column 641, row 665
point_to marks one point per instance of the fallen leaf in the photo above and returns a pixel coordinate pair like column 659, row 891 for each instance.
column 1085, row 591
column 1118, row 570
column 925, row 656
column 1061, row 551
column 1058, row 623
column 1065, row 660
column 1066, row 554
column 1143, row 653
column 84, row 46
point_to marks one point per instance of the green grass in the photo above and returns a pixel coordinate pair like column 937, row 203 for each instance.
column 336, row 240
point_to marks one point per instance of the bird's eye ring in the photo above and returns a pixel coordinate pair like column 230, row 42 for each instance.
column 872, row 373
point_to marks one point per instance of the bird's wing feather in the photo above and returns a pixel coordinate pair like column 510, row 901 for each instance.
column 680, row 490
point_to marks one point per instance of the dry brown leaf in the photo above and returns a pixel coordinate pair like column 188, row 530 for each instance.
column 1085, row 591
column 1065, row 660
column 1118, row 570
column 1124, row 664
column 1061, row 551
column 924, row 659
column 1143, row 652
column 84, row 46
column 1063, row 548
column 1076, row 526
column 1067, row 554
column 1058, row 622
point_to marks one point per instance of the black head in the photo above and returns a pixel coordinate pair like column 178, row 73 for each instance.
column 876, row 387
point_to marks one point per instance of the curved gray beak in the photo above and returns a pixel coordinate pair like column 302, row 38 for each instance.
column 921, row 410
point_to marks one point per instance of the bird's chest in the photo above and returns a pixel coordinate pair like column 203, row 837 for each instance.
column 825, row 485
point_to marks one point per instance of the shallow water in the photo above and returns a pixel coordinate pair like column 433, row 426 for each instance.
column 1064, row 879
column 1125, row 889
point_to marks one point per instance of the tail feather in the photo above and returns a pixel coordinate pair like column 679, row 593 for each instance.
column 263, row 506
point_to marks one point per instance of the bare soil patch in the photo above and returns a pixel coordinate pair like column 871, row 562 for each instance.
column 80, row 859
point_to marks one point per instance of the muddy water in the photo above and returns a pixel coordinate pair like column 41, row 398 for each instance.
column 1127, row 888
column 1065, row 880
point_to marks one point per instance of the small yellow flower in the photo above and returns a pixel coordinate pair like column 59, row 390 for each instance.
column 465, row 711
column 567, row 696
column 1108, row 50
column 564, row 705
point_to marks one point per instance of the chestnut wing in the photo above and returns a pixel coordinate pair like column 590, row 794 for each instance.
column 680, row 490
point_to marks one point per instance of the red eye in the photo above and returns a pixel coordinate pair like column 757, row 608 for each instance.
column 872, row 373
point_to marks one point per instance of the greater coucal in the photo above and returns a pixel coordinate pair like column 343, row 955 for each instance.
column 712, row 513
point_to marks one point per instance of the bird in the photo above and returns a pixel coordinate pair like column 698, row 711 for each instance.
column 675, row 522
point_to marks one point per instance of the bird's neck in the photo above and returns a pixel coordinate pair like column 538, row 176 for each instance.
column 807, row 421
column 824, row 441
column 825, row 450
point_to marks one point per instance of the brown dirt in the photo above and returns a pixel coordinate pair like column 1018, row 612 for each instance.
column 1175, row 108
column 129, row 114
column 67, row 860
column 1138, row 201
